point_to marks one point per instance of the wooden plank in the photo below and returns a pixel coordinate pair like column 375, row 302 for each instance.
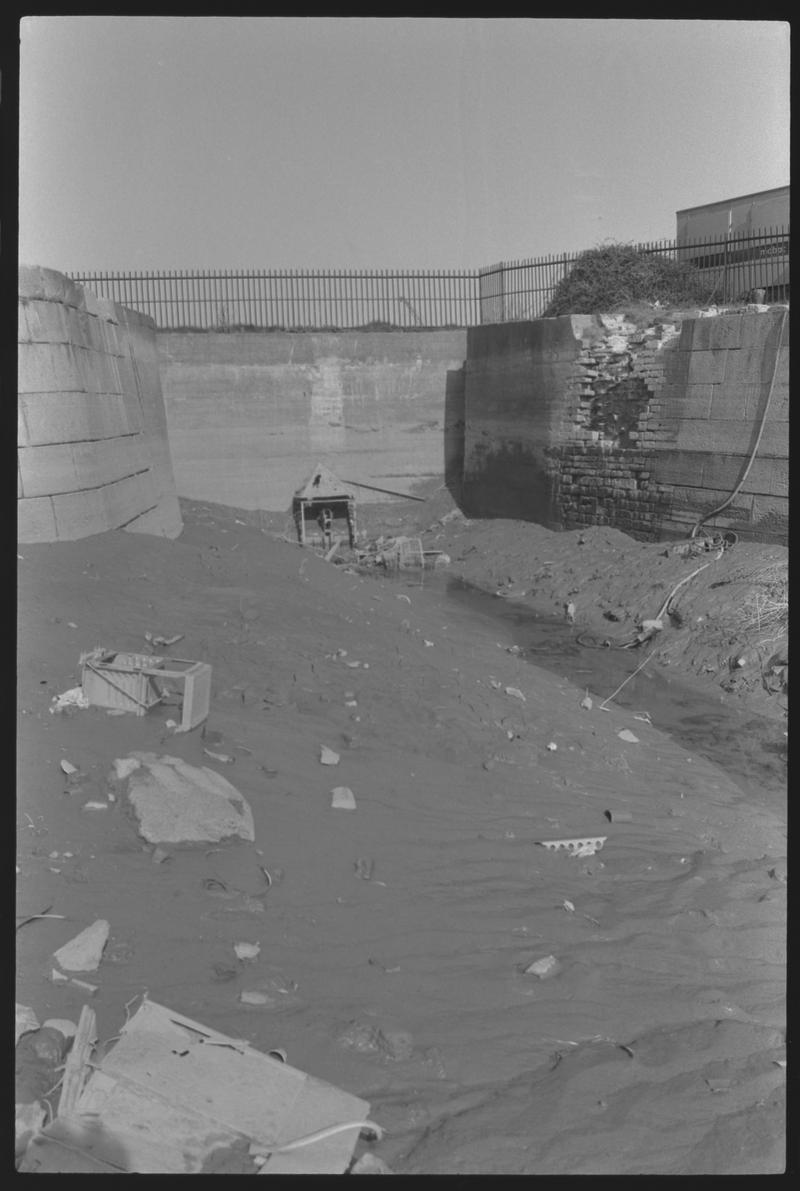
column 76, row 1067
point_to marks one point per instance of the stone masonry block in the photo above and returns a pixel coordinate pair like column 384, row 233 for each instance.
column 100, row 371
column 737, row 400
column 767, row 477
column 734, row 438
column 67, row 467
column 41, row 322
column 127, row 499
column 672, row 467
column 707, row 367
column 724, row 331
column 109, row 460
column 762, row 330
column 46, row 470
column 49, row 286
column 23, row 438
column 80, row 514
column 36, row 520
column 48, row 368
column 74, row 417
column 695, row 401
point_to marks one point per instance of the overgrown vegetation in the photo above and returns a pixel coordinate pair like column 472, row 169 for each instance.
column 605, row 279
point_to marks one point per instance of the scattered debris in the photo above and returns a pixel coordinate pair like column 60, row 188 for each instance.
column 364, row 868
column 172, row 1096
column 324, row 499
column 247, row 950
column 568, row 906
column 328, row 756
column 70, row 699
column 125, row 766
column 160, row 855
column 223, row 758
column 515, row 693
column 137, row 682
column 548, row 965
column 579, row 846
column 25, row 1021
column 586, row 702
column 160, row 641
column 618, row 816
column 569, row 612
column 93, row 805
column 84, row 952
column 180, row 803
column 343, row 798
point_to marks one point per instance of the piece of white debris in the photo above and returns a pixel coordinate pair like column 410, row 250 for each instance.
column 552, row 746
column 328, row 756
column 68, row 767
column 342, row 798
column 626, row 734
column 246, row 950
column 546, row 966
column 586, row 702
column 516, row 693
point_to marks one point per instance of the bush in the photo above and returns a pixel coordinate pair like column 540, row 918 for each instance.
column 604, row 279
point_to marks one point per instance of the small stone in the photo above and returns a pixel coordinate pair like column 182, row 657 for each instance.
column 627, row 735
column 342, row 798
column 247, row 950
column 68, row 768
column 552, row 746
column 547, row 966
column 328, row 756
column 516, row 693
column 252, row 996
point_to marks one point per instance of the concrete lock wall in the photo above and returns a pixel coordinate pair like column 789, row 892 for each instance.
column 251, row 413
column 590, row 420
column 92, row 441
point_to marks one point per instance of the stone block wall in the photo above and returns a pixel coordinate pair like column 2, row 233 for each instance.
column 646, row 429
column 92, row 446
column 251, row 413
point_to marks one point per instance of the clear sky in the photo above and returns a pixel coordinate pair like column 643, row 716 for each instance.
column 228, row 142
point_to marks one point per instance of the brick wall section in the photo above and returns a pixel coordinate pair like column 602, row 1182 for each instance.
column 645, row 429
column 92, row 446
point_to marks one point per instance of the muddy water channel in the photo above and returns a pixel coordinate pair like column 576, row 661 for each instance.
column 750, row 749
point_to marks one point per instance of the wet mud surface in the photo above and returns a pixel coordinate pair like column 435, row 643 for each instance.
column 394, row 939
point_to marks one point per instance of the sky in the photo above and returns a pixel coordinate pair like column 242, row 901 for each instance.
column 420, row 143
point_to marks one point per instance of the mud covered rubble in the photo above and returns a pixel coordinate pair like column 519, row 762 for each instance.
column 393, row 942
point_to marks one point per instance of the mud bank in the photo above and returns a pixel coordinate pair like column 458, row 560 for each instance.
column 394, row 939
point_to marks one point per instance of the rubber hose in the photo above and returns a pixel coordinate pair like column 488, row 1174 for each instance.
column 751, row 460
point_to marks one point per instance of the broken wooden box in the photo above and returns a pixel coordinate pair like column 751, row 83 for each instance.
column 174, row 1097
column 137, row 681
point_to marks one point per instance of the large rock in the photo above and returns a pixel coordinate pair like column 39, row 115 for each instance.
column 180, row 803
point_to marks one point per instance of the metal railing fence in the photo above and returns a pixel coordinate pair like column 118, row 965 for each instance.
column 732, row 266
column 328, row 299
column 294, row 299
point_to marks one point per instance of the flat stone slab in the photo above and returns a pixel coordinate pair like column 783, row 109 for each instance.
column 84, row 952
column 180, row 803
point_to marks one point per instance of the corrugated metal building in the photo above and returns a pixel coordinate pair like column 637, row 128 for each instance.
column 745, row 243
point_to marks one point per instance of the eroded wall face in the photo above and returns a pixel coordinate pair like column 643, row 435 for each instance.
column 646, row 429
column 92, row 448
column 251, row 413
